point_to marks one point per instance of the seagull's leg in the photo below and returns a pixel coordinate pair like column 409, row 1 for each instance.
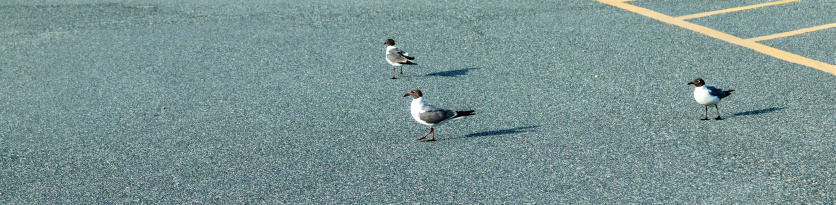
column 706, row 113
column 393, row 72
column 401, row 71
column 432, row 131
column 718, row 113
column 425, row 136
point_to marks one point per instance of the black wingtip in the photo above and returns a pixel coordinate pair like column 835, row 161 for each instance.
column 727, row 93
column 409, row 63
column 410, row 58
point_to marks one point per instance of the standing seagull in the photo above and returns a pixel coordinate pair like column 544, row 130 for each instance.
column 708, row 96
column 396, row 56
column 431, row 115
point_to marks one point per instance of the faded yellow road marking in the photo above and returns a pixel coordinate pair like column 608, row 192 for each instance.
column 704, row 14
column 780, row 54
column 792, row 33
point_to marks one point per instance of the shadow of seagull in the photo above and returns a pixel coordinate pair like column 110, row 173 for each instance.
column 499, row 132
column 758, row 112
column 452, row 73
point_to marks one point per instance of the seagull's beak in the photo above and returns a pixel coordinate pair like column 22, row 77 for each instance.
column 690, row 83
column 404, row 95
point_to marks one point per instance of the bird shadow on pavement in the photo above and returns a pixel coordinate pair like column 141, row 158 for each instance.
column 499, row 132
column 452, row 73
column 758, row 112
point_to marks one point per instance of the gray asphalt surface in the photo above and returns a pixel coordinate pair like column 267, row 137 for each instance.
column 773, row 19
column 276, row 102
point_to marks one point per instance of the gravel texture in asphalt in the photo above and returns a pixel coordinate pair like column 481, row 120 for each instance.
column 576, row 101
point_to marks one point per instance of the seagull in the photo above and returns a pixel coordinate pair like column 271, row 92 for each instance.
column 431, row 115
column 396, row 56
column 708, row 96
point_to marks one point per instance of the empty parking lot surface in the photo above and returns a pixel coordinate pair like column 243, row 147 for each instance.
column 290, row 102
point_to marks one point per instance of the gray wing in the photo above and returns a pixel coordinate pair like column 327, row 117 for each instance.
column 716, row 91
column 396, row 55
column 435, row 115
column 396, row 58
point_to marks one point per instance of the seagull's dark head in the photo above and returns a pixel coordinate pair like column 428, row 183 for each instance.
column 698, row 82
column 414, row 93
column 389, row 42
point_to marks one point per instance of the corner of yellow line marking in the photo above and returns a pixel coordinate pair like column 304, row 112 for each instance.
column 776, row 53
column 704, row 14
column 614, row 1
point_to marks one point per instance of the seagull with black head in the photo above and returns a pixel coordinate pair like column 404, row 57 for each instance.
column 431, row 115
column 708, row 96
column 397, row 57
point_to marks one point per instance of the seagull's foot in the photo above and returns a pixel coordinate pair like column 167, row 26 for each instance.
column 424, row 137
column 718, row 118
column 430, row 140
column 704, row 118
column 393, row 77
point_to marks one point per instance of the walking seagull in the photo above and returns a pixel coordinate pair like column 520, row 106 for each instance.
column 396, row 56
column 431, row 115
column 708, row 96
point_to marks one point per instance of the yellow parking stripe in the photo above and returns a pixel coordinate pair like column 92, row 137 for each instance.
column 792, row 33
column 780, row 54
column 698, row 15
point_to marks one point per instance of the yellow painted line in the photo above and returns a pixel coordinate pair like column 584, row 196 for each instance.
column 780, row 54
column 704, row 14
column 792, row 33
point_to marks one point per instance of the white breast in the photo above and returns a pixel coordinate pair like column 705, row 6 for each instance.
column 703, row 98
column 416, row 108
column 389, row 50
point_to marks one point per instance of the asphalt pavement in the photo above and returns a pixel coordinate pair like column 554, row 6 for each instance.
column 265, row 102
